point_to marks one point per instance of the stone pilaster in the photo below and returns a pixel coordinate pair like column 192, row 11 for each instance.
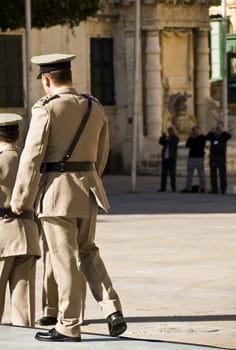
column 129, row 72
column 232, row 12
column 153, row 86
column 202, row 77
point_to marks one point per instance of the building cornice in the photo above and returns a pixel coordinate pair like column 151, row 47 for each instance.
column 175, row 2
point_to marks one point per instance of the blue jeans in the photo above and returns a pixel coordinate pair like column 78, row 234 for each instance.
column 198, row 164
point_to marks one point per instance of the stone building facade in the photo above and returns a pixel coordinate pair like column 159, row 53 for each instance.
column 173, row 77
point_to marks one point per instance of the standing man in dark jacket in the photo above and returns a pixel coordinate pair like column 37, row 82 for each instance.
column 169, row 155
column 196, row 144
column 218, row 138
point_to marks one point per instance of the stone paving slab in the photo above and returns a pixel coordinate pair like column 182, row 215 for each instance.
column 171, row 257
column 20, row 338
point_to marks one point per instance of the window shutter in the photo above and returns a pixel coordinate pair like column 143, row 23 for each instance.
column 11, row 71
column 102, row 77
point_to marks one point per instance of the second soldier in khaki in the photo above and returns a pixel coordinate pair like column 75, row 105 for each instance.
column 19, row 238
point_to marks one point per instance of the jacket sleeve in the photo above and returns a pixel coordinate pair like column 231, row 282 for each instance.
column 28, row 174
column 209, row 136
column 227, row 135
column 103, row 149
column 162, row 140
column 188, row 142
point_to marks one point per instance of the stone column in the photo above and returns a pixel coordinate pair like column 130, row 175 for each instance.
column 129, row 73
column 231, row 4
column 153, row 86
column 202, row 78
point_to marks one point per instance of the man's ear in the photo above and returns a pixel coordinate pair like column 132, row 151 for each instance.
column 46, row 80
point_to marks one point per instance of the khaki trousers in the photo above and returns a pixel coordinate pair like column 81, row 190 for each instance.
column 71, row 243
column 19, row 271
column 91, row 263
column 61, row 237
column 50, row 291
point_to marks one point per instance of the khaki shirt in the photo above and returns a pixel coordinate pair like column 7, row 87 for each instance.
column 55, row 120
column 17, row 236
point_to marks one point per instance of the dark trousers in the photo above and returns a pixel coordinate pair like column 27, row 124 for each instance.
column 218, row 165
column 168, row 168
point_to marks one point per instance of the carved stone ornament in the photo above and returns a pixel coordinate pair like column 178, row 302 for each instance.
column 177, row 107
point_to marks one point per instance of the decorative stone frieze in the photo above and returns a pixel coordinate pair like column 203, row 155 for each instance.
column 186, row 16
column 231, row 3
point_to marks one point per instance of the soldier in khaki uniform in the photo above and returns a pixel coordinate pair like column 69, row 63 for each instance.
column 19, row 239
column 69, row 193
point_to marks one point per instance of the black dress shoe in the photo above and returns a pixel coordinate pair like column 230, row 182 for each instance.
column 47, row 321
column 116, row 324
column 53, row 335
column 161, row 190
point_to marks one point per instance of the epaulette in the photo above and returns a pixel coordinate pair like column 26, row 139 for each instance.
column 45, row 99
column 95, row 99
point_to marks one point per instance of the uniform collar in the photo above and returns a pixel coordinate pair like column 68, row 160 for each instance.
column 64, row 90
column 8, row 147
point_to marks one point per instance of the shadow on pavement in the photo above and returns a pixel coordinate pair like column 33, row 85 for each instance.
column 146, row 200
column 182, row 318
column 124, row 338
column 171, row 203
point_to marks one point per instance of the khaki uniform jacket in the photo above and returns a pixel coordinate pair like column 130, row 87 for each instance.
column 17, row 236
column 55, row 120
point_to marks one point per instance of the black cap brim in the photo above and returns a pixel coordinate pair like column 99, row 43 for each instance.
column 47, row 68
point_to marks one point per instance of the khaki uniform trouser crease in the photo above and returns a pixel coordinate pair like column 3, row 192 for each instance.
column 19, row 271
column 92, row 265
column 50, row 290
column 61, row 236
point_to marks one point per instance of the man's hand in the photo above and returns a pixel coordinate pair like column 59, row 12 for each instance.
column 16, row 211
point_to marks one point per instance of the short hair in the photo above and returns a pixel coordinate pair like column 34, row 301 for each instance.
column 171, row 127
column 60, row 76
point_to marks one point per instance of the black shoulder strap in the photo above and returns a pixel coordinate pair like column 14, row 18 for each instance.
column 79, row 131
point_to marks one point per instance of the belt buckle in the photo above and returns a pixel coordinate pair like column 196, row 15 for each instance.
column 62, row 167
column 6, row 216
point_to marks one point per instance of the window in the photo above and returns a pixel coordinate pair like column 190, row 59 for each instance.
column 102, row 79
column 231, row 77
column 11, row 71
column 216, row 49
column 232, row 67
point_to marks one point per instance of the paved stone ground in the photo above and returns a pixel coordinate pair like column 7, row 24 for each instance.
column 19, row 338
column 172, row 258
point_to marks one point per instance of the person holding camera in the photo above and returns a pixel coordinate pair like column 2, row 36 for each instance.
column 169, row 142
column 218, row 138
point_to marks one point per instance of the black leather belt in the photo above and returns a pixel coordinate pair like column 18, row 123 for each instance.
column 7, row 213
column 62, row 167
